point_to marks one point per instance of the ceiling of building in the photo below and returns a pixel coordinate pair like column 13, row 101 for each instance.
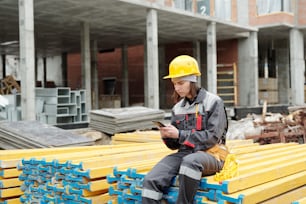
column 113, row 23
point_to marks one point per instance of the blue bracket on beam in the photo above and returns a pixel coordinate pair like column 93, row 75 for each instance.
column 132, row 173
column 112, row 179
column 221, row 196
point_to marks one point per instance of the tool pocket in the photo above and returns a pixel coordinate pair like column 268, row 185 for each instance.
column 219, row 151
column 180, row 122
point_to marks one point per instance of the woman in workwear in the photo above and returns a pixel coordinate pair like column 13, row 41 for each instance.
column 198, row 124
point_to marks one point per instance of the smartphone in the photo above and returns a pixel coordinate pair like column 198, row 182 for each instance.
column 158, row 123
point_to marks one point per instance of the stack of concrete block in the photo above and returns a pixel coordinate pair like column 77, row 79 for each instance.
column 11, row 109
column 54, row 106
column 61, row 105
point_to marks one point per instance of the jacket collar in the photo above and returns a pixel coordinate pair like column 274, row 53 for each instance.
column 199, row 98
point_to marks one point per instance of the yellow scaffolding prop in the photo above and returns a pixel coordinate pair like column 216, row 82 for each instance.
column 300, row 201
column 256, row 148
column 120, row 158
column 10, row 192
column 265, row 175
column 268, row 190
column 138, row 136
column 104, row 198
column 8, row 183
column 264, row 152
column 9, row 173
column 90, row 152
column 259, row 165
column 296, row 194
column 21, row 153
column 100, row 172
column 11, row 200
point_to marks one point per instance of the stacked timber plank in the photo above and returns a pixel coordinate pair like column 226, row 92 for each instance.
column 34, row 134
column 116, row 120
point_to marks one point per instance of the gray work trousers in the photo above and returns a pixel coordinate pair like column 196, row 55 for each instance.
column 160, row 177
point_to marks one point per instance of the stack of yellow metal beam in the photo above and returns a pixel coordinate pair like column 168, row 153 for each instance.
column 9, row 182
column 137, row 136
column 10, row 159
column 266, row 172
column 113, row 173
column 77, row 173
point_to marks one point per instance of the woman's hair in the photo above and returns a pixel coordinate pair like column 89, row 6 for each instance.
column 193, row 91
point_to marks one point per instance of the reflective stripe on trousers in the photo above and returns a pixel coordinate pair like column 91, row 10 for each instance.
column 196, row 175
column 147, row 193
column 161, row 176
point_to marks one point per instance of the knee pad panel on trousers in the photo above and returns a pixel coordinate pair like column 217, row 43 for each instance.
column 203, row 162
column 193, row 161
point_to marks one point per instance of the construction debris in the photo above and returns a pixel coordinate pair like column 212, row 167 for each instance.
column 8, row 85
column 117, row 120
column 34, row 134
column 271, row 127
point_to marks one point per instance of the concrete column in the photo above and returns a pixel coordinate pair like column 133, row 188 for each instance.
column 94, row 77
column 211, row 58
column 163, row 71
column 3, row 63
column 125, row 77
column 27, row 59
column 64, row 68
column 44, row 71
column 248, row 70
column 297, row 66
column 54, row 70
column 39, row 75
column 197, row 55
column 145, row 71
column 85, row 56
column 283, row 73
column 35, row 69
column 152, row 80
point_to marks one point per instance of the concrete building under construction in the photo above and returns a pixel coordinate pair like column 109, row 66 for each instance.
column 249, row 51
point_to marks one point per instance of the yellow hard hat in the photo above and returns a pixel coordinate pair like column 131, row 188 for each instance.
column 183, row 65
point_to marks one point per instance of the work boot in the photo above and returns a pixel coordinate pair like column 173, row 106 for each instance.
column 187, row 190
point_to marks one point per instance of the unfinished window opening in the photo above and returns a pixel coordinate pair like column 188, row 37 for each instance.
column 223, row 9
column 183, row 4
column 273, row 6
column 267, row 64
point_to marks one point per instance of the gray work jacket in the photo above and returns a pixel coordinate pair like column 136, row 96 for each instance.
column 201, row 124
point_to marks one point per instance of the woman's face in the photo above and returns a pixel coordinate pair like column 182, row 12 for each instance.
column 182, row 87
